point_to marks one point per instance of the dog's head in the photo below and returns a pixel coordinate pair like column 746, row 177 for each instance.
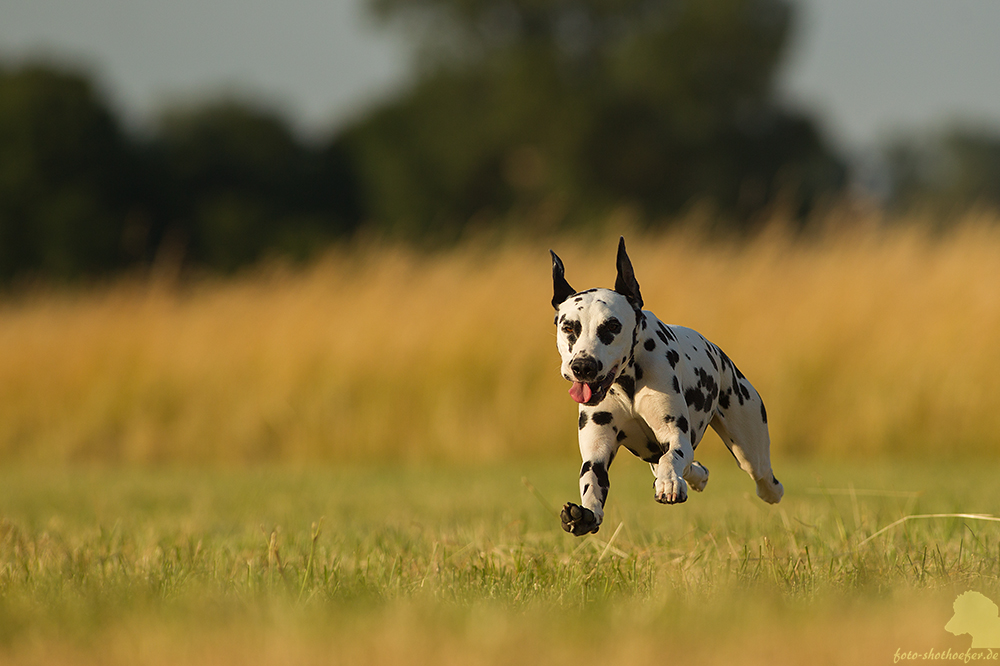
column 595, row 329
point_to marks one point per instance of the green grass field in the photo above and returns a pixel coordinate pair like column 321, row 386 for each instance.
column 327, row 464
column 442, row 565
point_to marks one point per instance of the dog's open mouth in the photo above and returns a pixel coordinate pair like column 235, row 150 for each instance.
column 591, row 393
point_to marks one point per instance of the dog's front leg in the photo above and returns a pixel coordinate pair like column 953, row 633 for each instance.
column 666, row 415
column 670, row 486
column 597, row 447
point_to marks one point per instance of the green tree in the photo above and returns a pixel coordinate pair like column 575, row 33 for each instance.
column 65, row 175
column 952, row 170
column 587, row 101
column 218, row 185
column 241, row 185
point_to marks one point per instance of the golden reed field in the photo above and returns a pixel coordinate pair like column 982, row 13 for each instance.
column 878, row 340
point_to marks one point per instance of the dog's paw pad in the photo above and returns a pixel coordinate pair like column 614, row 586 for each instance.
column 578, row 520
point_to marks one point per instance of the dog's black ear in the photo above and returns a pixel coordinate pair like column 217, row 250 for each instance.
column 625, row 283
column 560, row 288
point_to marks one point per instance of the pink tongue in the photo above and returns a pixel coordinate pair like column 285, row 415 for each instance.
column 580, row 392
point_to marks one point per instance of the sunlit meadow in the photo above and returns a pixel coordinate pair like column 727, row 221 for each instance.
column 359, row 461
column 872, row 341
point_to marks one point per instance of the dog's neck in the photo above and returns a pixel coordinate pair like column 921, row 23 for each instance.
column 628, row 368
column 640, row 319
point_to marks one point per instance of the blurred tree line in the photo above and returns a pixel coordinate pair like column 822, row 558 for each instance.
column 944, row 172
column 219, row 185
column 534, row 113
column 576, row 106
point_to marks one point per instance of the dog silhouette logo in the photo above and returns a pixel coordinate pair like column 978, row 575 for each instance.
column 976, row 615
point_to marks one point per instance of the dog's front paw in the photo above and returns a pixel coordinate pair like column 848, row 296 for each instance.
column 670, row 491
column 578, row 520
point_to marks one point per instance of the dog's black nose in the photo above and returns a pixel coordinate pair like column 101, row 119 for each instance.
column 585, row 368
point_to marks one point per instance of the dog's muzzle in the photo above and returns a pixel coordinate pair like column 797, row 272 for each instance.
column 591, row 393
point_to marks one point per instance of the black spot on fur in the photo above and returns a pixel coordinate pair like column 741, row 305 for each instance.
column 601, row 418
column 665, row 330
column 602, row 482
column 586, row 487
column 724, row 400
column 678, row 453
column 728, row 363
column 669, row 419
column 602, row 475
column 695, row 398
column 745, row 391
column 572, row 329
column 677, row 385
column 608, row 329
column 621, row 436
column 682, row 423
column 650, row 344
column 774, row 480
column 714, row 364
column 586, row 468
column 628, row 385
column 638, row 373
column 662, row 336
column 687, row 356
column 703, row 402
column 583, row 419
column 763, row 413
column 673, row 357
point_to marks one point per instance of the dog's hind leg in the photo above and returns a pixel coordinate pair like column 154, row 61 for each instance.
column 743, row 429
column 696, row 476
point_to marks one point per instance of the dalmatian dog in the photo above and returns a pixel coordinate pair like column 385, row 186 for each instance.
column 654, row 389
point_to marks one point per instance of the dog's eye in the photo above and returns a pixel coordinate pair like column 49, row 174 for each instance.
column 608, row 329
column 572, row 328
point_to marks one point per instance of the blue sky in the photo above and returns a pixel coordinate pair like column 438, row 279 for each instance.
column 867, row 68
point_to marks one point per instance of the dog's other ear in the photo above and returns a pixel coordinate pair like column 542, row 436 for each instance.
column 626, row 284
column 560, row 288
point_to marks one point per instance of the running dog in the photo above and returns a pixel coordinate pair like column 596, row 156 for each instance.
column 654, row 389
